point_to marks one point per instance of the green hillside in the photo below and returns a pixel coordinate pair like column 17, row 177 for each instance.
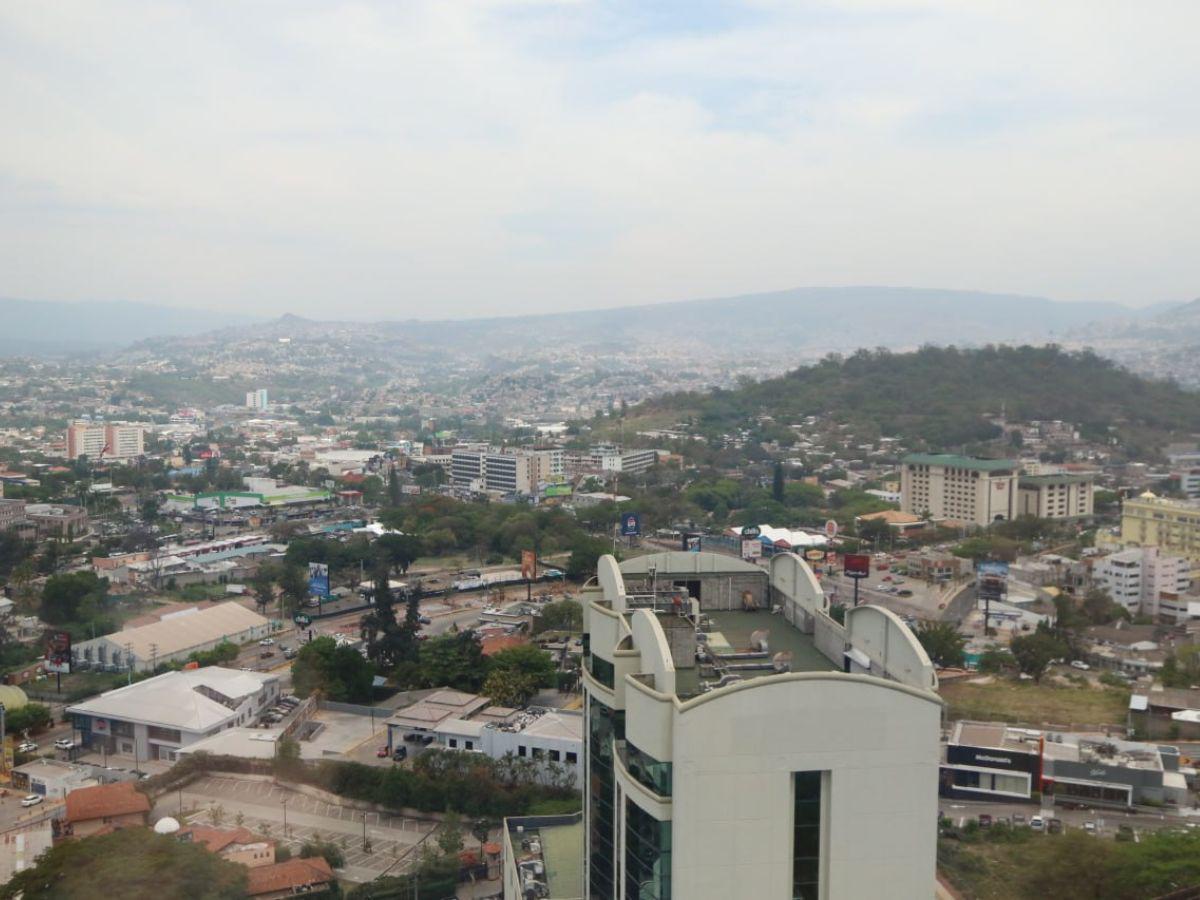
column 942, row 397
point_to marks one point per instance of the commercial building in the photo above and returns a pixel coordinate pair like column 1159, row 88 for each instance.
column 171, row 639
column 994, row 761
column 1055, row 496
column 715, row 768
column 260, row 492
column 98, row 441
column 611, row 459
column 964, row 488
column 12, row 513
column 57, row 520
column 287, row 879
column 543, row 857
column 1171, row 525
column 257, row 399
column 239, row 845
column 1146, row 581
column 153, row 719
column 508, row 471
column 52, row 778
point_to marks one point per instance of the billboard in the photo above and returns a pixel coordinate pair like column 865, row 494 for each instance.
column 528, row 564
column 751, row 548
column 631, row 524
column 58, row 652
column 557, row 490
column 831, row 529
column 303, row 620
column 992, row 569
column 318, row 579
column 751, row 531
column 691, row 543
column 857, row 565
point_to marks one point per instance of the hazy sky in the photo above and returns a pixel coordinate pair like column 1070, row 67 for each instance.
column 452, row 157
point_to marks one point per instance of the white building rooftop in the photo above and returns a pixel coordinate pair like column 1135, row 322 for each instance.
column 188, row 700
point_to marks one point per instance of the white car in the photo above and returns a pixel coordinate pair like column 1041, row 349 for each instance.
column 31, row 800
column 27, row 747
column 65, row 744
column 1037, row 823
column 1079, row 664
column 266, row 642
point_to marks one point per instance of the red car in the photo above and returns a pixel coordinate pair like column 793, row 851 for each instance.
column 383, row 752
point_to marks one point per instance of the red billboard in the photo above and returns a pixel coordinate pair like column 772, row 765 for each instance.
column 58, row 652
column 857, row 565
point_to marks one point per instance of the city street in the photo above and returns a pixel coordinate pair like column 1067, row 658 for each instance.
column 264, row 806
column 1106, row 821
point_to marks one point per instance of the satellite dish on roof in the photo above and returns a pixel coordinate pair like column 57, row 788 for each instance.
column 166, row 825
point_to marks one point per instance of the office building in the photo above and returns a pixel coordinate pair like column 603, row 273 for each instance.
column 609, row 459
column 58, row 520
column 731, row 752
column 153, row 719
column 1171, row 525
column 1055, row 496
column 508, row 471
column 257, row 399
column 117, row 441
column 962, row 488
column 994, row 761
column 1145, row 581
column 12, row 513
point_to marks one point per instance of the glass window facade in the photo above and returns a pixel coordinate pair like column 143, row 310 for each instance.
column 604, row 726
column 647, row 855
column 648, row 771
column 602, row 670
column 806, row 837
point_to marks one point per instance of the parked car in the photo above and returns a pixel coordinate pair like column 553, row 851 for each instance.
column 985, row 821
column 1089, row 827
column 265, row 654
column 28, row 747
column 411, row 738
column 1018, row 819
column 65, row 744
column 382, row 752
column 427, row 740
column 425, row 620
column 399, row 753
column 1079, row 664
column 266, row 642
column 1054, row 826
column 31, row 800
column 1037, row 823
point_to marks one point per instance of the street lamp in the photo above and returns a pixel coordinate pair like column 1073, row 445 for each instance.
column 284, row 802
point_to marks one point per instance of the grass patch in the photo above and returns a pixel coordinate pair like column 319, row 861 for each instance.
column 1009, row 700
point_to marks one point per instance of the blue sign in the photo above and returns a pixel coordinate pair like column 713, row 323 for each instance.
column 631, row 524
column 992, row 569
column 318, row 579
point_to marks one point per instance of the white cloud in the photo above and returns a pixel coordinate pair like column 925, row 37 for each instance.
column 435, row 158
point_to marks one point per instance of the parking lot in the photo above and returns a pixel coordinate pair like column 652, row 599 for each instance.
column 262, row 805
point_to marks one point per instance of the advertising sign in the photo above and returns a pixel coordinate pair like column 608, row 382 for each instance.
column 751, row 548
column 857, row 565
column 691, row 543
column 528, row 564
column 303, row 620
column 318, row 579
column 831, row 529
column 100, row 726
column 10, row 756
column 751, row 531
column 58, row 652
column 992, row 569
column 631, row 524
column 814, row 555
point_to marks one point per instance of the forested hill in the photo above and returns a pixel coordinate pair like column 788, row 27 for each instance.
column 944, row 397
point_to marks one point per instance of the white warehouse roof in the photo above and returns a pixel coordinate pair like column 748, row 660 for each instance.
column 184, row 631
column 181, row 700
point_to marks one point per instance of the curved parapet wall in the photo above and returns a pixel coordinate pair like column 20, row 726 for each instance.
column 892, row 648
column 791, row 577
column 608, row 574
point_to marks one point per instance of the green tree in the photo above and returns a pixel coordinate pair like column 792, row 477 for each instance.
column 74, row 597
column 328, row 850
column 943, row 643
column 337, row 673
column 1101, row 609
column 994, row 660
column 561, row 615
column 262, row 584
column 1034, row 652
column 293, row 588
column 508, row 687
column 526, row 660
column 398, row 551
column 778, row 484
column 449, row 834
column 30, row 717
column 133, row 863
column 453, row 660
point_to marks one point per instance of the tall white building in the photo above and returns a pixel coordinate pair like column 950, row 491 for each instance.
column 947, row 486
column 1146, row 581
column 97, row 441
column 713, row 771
column 257, row 399
column 506, row 471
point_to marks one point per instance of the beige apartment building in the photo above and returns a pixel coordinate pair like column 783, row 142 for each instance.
column 100, row 441
column 964, row 488
column 1172, row 525
column 1059, row 496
